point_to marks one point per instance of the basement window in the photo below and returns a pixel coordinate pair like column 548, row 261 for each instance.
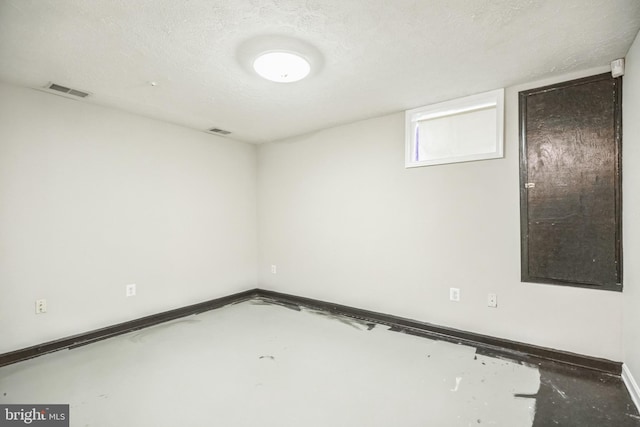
column 461, row 130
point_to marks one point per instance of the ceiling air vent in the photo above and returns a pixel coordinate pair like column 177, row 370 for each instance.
column 67, row 90
column 219, row 131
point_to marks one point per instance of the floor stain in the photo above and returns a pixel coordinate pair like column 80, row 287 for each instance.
column 573, row 396
column 349, row 321
column 267, row 357
column 268, row 301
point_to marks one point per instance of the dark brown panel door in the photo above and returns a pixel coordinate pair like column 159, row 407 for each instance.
column 570, row 183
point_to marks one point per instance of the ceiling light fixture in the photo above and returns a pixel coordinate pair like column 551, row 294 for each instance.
column 281, row 67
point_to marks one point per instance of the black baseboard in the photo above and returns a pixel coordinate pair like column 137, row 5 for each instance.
column 498, row 346
column 493, row 345
column 121, row 328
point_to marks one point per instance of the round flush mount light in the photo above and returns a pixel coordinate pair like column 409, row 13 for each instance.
column 282, row 67
column 279, row 58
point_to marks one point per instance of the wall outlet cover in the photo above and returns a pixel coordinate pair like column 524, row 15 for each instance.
column 41, row 306
column 131, row 290
column 492, row 300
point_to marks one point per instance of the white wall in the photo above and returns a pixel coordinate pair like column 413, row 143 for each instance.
column 92, row 199
column 631, row 208
column 345, row 222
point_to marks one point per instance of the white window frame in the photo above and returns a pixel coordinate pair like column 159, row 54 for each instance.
column 481, row 101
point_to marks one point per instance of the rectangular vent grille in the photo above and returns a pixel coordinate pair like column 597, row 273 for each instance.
column 68, row 90
column 219, row 131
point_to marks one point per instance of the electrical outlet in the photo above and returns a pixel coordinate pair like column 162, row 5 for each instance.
column 492, row 300
column 41, row 306
column 454, row 294
column 131, row 290
column 274, row 269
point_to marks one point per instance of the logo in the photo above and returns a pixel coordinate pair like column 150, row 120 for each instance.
column 34, row 415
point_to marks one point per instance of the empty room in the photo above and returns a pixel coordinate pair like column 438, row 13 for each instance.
column 320, row 213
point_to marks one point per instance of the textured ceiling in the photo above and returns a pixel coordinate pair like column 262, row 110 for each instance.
column 377, row 56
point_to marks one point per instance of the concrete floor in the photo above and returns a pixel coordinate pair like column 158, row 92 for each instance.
column 262, row 364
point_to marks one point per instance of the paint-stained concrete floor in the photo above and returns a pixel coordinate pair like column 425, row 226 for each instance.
column 262, row 364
